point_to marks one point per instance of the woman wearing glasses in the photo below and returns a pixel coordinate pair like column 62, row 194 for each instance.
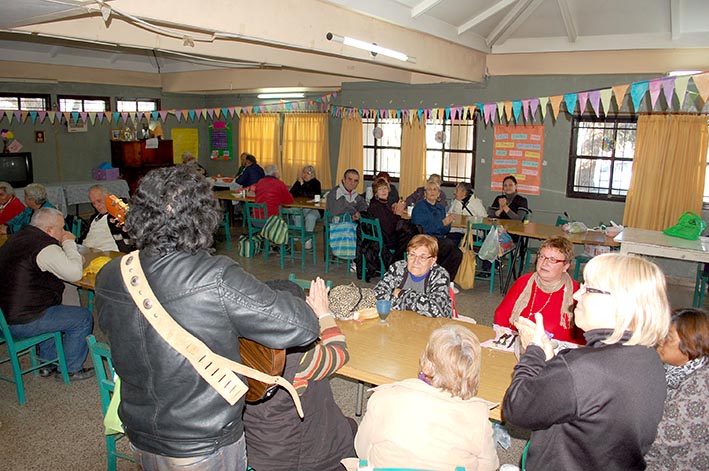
column 548, row 290
column 598, row 406
column 417, row 283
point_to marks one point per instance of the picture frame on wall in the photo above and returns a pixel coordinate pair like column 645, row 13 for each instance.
column 39, row 137
column 116, row 134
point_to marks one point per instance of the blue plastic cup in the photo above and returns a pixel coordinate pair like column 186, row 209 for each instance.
column 383, row 309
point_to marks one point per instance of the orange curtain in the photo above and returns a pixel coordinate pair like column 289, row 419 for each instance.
column 668, row 170
column 351, row 150
column 305, row 142
column 413, row 157
column 259, row 135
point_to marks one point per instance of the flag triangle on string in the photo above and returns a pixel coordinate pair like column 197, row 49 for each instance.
column 570, row 101
column 655, row 87
column 516, row 108
column 637, row 93
column 583, row 99
column 594, row 97
column 533, row 105
column 668, row 89
column 701, row 81
column 33, row 116
column 52, row 117
column 555, row 104
column 619, row 94
column 92, row 118
column 42, row 116
column 163, row 115
column 606, row 95
column 508, row 110
column 83, row 115
column 100, row 116
column 192, row 114
column 500, row 111
column 23, row 115
column 525, row 110
column 543, row 103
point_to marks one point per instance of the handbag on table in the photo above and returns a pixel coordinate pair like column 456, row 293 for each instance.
column 689, row 227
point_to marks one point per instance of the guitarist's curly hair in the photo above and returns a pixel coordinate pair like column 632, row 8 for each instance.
column 173, row 208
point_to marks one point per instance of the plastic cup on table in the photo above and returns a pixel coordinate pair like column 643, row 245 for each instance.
column 316, row 198
column 383, row 309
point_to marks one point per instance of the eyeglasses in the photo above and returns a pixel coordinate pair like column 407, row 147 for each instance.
column 422, row 258
column 552, row 260
column 588, row 289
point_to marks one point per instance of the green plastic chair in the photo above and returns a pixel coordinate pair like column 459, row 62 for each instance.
column 227, row 228
column 20, row 347
column 371, row 230
column 700, row 286
column 305, row 284
column 480, row 231
column 251, row 212
column 101, row 356
column 297, row 232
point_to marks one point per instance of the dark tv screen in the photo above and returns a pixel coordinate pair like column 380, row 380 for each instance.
column 16, row 169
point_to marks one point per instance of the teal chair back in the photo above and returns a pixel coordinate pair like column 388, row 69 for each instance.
column 16, row 348
column 101, row 357
column 371, row 230
column 256, row 215
column 296, row 231
column 305, row 284
column 479, row 231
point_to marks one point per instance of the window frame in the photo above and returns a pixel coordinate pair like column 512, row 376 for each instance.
column 155, row 101
column 370, row 177
column 447, row 124
column 46, row 97
column 573, row 156
column 83, row 98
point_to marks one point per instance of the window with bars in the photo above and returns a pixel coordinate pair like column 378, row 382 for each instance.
column 450, row 150
column 25, row 102
column 382, row 154
column 132, row 105
column 601, row 157
column 83, row 103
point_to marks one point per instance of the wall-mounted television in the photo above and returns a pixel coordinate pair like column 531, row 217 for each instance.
column 16, row 169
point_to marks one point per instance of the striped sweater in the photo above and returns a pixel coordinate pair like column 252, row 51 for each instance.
column 327, row 356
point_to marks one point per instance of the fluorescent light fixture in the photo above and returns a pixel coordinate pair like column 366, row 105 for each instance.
column 371, row 47
column 273, row 96
column 677, row 73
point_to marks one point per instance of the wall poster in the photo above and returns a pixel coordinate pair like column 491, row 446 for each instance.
column 518, row 151
column 184, row 140
column 220, row 141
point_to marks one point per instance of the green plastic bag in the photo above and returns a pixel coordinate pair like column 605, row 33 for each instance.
column 689, row 226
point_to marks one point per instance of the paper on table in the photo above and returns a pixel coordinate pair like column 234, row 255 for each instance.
column 504, row 339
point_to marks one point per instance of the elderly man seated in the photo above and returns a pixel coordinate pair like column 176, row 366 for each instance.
column 35, row 198
column 34, row 263
column 105, row 233
column 418, row 283
column 10, row 205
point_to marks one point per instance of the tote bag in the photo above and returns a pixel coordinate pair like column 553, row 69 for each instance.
column 465, row 278
column 343, row 238
column 275, row 230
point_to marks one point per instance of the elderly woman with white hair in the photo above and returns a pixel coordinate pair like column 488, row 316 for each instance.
column 10, row 205
column 434, row 421
column 598, row 406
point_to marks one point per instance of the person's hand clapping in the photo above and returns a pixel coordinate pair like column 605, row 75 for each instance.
column 448, row 220
column 317, row 298
column 533, row 333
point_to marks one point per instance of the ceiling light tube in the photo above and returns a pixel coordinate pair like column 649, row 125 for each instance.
column 371, row 47
column 273, row 96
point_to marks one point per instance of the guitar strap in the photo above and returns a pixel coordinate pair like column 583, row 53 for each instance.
column 215, row 369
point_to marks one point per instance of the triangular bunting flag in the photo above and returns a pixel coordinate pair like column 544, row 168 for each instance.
column 668, row 88
column 52, row 116
column 606, row 95
column 619, row 94
column 92, row 118
column 33, row 116
column 192, row 114
column 533, row 105
column 500, row 111
column 42, row 116
column 637, row 93
column 22, row 117
column 508, row 110
column 100, row 117
column 154, row 115
column 555, row 104
column 543, row 103
column 516, row 108
column 124, row 116
column 67, row 116
column 570, row 101
column 83, row 115
column 594, row 97
column 701, row 81
column 163, row 115
column 583, row 99
column 525, row 109
column 655, row 87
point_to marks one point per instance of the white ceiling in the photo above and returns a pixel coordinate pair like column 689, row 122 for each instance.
column 281, row 43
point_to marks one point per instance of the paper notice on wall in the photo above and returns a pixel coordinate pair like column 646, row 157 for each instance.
column 518, row 151
column 184, row 140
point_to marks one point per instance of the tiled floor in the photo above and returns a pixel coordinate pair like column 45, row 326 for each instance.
column 60, row 426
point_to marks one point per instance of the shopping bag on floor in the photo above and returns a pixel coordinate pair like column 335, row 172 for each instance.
column 465, row 278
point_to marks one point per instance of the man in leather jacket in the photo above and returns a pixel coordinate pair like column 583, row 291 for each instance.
column 172, row 416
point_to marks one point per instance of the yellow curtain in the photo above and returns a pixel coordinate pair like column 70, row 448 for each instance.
column 413, row 157
column 305, row 142
column 351, row 150
column 668, row 170
column 259, row 135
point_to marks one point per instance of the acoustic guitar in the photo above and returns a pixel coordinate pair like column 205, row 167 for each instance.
column 116, row 208
column 267, row 360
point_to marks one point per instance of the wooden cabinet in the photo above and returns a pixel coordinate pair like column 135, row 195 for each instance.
column 135, row 160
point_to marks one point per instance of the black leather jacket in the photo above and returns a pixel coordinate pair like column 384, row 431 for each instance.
column 166, row 407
